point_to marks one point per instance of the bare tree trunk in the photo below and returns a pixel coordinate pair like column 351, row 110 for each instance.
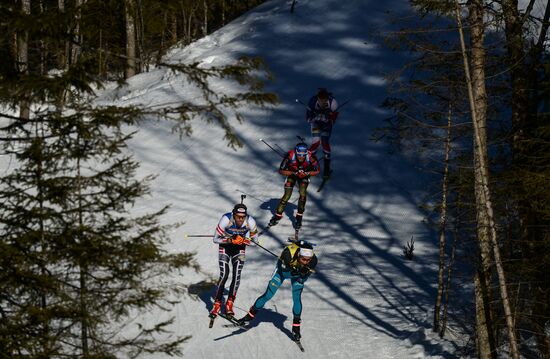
column 162, row 38
column 516, row 59
column 63, row 55
column 223, row 12
column 485, row 340
column 205, row 25
column 100, row 54
column 173, row 28
column 42, row 45
column 448, row 286
column 77, row 37
column 189, row 24
column 23, row 60
column 142, row 64
column 130, row 38
column 442, row 226
column 478, row 104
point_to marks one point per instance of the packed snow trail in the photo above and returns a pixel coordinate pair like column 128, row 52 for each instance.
column 365, row 300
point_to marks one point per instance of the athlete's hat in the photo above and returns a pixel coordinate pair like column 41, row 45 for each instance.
column 239, row 209
column 323, row 93
column 301, row 149
column 306, row 250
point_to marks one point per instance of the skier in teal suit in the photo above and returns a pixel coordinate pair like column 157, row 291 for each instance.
column 296, row 262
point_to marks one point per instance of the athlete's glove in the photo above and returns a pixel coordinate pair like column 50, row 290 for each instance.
column 299, row 270
column 323, row 112
column 303, row 270
column 302, row 174
column 237, row 239
column 333, row 116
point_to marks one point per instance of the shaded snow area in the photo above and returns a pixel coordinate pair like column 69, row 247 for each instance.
column 365, row 300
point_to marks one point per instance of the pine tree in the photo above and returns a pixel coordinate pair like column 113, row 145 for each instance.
column 79, row 262
column 76, row 260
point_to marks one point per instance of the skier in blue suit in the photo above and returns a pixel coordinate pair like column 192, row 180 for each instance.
column 296, row 262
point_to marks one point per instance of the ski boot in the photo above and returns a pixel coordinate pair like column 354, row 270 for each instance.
column 229, row 307
column 299, row 220
column 275, row 219
column 248, row 317
column 217, row 306
column 296, row 329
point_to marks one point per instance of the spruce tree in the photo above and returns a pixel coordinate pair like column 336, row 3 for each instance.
column 77, row 261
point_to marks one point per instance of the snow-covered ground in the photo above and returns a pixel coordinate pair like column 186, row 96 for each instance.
column 365, row 301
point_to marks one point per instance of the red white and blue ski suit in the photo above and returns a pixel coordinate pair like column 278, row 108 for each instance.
column 230, row 253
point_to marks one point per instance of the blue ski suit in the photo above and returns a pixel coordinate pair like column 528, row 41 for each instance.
column 288, row 267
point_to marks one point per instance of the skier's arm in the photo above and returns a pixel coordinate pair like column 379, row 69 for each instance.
column 219, row 235
column 314, row 168
column 333, row 114
column 333, row 105
column 310, row 112
column 252, row 234
column 283, row 169
column 284, row 259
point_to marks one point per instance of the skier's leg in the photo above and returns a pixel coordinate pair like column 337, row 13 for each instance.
column 297, row 288
column 326, row 147
column 303, row 196
column 289, row 186
column 223, row 261
column 237, row 263
column 315, row 137
column 274, row 284
column 325, row 143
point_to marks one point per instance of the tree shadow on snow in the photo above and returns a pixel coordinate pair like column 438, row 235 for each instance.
column 290, row 207
column 204, row 291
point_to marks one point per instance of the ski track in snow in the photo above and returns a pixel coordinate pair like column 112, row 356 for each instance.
column 365, row 301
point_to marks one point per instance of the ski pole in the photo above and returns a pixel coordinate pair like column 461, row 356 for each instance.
column 274, row 150
column 279, row 148
column 337, row 109
column 265, row 249
column 306, row 106
column 197, row 236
